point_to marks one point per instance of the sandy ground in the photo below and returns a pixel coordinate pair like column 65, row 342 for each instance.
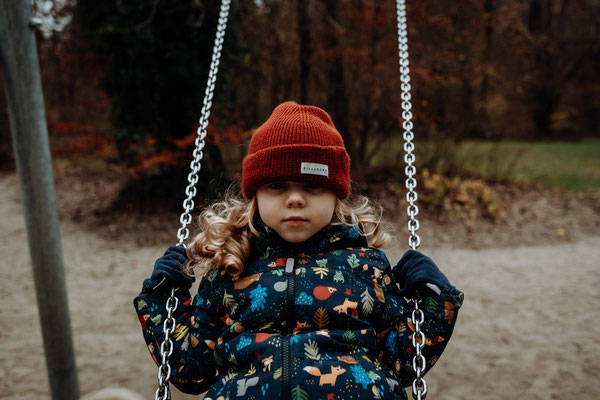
column 529, row 327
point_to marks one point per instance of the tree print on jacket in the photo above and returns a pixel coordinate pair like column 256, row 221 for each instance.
column 334, row 325
column 258, row 296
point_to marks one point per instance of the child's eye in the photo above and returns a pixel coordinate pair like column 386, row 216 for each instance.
column 312, row 186
column 276, row 185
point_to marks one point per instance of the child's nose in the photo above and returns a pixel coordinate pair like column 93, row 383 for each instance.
column 295, row 198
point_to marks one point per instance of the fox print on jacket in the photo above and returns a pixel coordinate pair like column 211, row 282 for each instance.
column 323, row 318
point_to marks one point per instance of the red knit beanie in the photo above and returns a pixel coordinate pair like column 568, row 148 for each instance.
column 300, row 144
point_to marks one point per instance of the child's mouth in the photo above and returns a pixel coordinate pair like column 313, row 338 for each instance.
column 295, row 221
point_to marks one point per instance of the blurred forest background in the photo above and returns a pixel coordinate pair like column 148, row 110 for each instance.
column 506, row 98
column 506, row 112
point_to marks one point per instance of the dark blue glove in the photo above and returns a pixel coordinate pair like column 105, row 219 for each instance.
column 167, row 270
column 415, row 270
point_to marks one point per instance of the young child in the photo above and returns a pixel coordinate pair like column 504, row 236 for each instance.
column 296, row 299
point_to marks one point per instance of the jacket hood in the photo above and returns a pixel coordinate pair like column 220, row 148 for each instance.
column 331, row 237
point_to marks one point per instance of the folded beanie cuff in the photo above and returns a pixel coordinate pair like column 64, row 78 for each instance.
column 284, row 163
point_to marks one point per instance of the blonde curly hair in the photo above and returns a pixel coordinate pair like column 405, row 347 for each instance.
column 226, row 230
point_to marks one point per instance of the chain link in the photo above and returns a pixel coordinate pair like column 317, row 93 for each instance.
column 419, row 386
column 164, row 370
column 166, row 349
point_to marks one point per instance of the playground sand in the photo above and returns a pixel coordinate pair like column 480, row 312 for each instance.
column 529, row 327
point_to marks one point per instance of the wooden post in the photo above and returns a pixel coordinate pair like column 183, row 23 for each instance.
column 18, row 52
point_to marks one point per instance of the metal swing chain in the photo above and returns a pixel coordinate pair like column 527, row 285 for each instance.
column 419, row 386
column 188, row 204
column 166, row 349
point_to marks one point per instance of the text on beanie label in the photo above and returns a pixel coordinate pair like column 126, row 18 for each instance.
column 314, row 169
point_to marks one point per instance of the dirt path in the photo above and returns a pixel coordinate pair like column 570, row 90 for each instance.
column 529, row 327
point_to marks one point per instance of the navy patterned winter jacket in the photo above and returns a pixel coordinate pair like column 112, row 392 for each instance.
column 323, row 318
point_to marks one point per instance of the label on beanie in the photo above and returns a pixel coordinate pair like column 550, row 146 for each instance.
column 314, row 169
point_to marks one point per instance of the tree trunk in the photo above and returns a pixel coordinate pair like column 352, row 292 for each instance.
column 304, row 53
column 337, row 98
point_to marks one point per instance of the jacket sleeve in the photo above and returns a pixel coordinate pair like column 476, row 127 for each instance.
column 193, row 368
column 439, row 301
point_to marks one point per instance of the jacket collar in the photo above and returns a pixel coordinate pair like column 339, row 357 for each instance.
column 331, row 237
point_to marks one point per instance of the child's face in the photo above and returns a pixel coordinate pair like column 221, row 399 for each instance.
column 279, row 202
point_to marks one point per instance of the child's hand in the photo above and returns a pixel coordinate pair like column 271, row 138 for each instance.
column 415, row 271
column 167, row 270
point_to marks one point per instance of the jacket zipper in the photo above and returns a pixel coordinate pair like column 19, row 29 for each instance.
column 286, row 383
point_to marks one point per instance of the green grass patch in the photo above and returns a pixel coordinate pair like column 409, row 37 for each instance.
column 567, row 165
